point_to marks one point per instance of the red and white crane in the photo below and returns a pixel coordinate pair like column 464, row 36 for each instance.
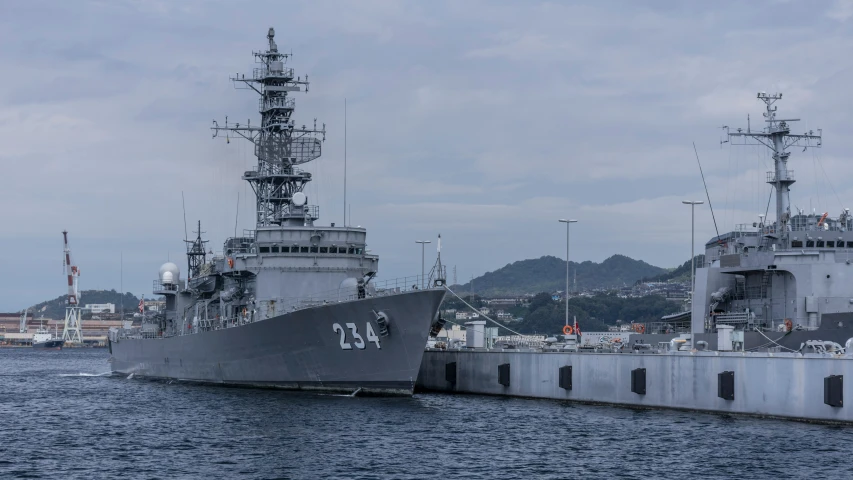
column 72, row 330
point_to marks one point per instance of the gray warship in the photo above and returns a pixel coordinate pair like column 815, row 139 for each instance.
column 290, row 304
column 769, row 333
column 785, row 284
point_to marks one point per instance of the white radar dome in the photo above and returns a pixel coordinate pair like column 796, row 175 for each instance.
column 169, row 273
column 299, row 199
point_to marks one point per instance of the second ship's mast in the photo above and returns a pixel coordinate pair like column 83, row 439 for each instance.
column 279, row 144
column 777, row 137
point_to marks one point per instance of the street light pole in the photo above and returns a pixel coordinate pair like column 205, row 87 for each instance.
column 692, row 204
column 567, row 222
column 422, row 242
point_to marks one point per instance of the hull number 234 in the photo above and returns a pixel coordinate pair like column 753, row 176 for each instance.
column 357, row 339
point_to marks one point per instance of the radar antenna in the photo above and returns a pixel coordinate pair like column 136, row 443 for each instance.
column 71, row 331
column 777, row 137
column 280, row 145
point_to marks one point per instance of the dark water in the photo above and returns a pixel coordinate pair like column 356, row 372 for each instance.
column 61, row 420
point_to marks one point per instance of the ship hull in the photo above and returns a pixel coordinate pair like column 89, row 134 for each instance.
column 298, row 350
column 49, row 345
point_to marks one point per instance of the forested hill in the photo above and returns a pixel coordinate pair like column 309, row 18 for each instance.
column 680, row 273
column 56, row 308
column 548, row 274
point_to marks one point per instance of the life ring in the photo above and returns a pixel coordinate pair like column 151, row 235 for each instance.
column 639, row 328
column 230, row 262
column 617, row 340
column 568, row 330
column 789, row 325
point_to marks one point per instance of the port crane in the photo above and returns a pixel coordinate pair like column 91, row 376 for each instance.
column 71, row 332
column 23, row 327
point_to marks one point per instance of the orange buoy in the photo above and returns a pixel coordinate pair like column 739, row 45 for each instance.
column 568, row 330
column 639, row 328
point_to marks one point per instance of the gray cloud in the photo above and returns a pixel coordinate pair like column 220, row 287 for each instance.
column 485, row 121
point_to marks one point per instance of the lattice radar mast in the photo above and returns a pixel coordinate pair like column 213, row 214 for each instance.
column 777, row 137
column 279, row 144
column 71, row 332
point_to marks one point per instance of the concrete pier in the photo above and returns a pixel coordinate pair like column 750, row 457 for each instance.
column 784, row 385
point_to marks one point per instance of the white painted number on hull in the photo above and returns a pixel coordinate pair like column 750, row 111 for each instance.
column 344, row 345
column 357, row 338
column 371, row 335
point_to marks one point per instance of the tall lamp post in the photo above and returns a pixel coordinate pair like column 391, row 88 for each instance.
column 567, row 222
column 423, row 243
column 692, row 204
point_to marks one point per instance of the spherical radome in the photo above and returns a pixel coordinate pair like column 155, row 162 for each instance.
column 169, row 273
column 299, row 199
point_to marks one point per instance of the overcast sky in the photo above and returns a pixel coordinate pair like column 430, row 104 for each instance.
column 485, row 121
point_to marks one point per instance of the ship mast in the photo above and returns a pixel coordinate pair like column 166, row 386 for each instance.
column 777, row 137
column 279, row 144
column 196, row 254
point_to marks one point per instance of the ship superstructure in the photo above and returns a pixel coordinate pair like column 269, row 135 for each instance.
column 290, row 303
column 783, row 282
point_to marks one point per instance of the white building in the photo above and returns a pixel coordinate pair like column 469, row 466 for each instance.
column 155, row 305
column 100, row 307
column 455, row 333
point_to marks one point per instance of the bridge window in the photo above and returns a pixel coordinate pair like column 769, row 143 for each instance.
column 809, row 243
column 333, row 249
column 274, row 249
column 324, row 249
column 849, row 244
column 796, row 244
column 265, row 250
column 303, row 249
column 352, row 250
column 314, row 249
column 830, row 243
column 285, row 249
column 820, row 244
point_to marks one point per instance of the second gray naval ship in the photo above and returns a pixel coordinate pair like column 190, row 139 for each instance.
column 290, row 304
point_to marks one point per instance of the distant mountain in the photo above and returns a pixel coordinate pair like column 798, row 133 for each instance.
column 55, row 308
column 548, row 274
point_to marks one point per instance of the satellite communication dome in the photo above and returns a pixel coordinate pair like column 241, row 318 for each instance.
column 169, row 273
column 299, row 199
column 348, row 287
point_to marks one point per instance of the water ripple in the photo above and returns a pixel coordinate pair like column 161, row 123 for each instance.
column 65, row 418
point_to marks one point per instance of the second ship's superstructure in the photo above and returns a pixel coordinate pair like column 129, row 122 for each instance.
column 782, row 283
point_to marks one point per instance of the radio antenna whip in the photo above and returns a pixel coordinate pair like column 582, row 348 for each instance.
column 706, row 189
column 184, row 204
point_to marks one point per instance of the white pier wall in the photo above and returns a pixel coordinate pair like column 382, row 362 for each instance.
column 779, row 385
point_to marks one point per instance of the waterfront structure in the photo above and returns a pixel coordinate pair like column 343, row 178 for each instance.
column 100, row 307
column 770, row 331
